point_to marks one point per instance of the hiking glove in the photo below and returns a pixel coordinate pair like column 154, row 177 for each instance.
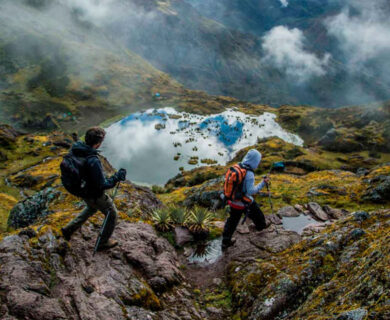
column 121, row 175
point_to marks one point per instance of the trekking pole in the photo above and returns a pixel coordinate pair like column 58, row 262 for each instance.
column 101, row 233
column 246, row 214
column 269, row 198
column 99, row 238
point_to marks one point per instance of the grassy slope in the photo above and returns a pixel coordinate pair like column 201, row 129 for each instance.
column 338, row 187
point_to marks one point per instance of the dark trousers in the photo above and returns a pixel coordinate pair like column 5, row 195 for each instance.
column 106, row 206
column 254, row 213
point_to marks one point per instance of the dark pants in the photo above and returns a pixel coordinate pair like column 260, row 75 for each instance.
column 106, row 206
column 254, row 213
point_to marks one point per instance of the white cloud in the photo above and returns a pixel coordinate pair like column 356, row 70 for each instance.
column 284, row 3
column 92, row 10
column 362, row 30
column 284, row 49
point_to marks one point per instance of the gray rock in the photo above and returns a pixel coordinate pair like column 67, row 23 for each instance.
column 316, row 210
column 361, row 216
column 272, row 219
column 274, row 240
column 288, row 211
column 33, row 208
column 299, row 208
column 356, row 233
column 182, row 236
column 335, row 213
column 379, row 193
column 357, row 314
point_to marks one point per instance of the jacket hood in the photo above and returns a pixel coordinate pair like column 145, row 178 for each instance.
column 80, row 149
column 252, row 159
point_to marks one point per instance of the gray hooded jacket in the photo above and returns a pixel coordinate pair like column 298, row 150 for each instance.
column 252, row 161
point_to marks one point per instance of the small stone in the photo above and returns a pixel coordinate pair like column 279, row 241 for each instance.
column 361, row 216
column 182, row 236
column 217, row 281
column 214, row 310
column 288, row 211
column 357, row 314
column 357, row 233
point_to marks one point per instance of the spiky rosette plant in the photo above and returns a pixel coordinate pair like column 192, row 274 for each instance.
column 179, row 215
column 199, row 220
column 161, row 219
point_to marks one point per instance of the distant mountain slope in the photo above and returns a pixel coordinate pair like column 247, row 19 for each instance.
column 218, row 47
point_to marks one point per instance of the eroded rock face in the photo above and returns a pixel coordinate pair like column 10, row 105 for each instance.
column 48, row 278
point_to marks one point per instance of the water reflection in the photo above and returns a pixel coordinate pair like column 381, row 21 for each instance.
column 297, row 224
column 154, row 144
column 207, row 252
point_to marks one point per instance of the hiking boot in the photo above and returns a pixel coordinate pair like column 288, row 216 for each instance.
column 66, row 233
column 227, row 244
column 107, row 245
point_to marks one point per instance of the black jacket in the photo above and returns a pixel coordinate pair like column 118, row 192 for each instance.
column 96, row 182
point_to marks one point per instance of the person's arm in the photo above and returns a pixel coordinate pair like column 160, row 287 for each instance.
column 97, row 176
column 250, row 187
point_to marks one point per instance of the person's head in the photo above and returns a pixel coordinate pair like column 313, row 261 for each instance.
column 252, row 159
column 94, row 137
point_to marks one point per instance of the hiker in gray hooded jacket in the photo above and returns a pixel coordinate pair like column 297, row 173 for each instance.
column 250, row 162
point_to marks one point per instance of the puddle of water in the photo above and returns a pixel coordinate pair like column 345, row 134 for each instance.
column 154, row 144
column 297, row 224
column 207, row 253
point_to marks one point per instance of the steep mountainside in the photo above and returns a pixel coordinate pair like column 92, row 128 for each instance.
column 42, row 276
column 57, row 70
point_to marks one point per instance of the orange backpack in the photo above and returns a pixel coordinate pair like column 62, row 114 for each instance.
column 234, row 179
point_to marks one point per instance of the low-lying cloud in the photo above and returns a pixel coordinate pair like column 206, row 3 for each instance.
column 284, row 48
column 362, row 30
column 284, row 3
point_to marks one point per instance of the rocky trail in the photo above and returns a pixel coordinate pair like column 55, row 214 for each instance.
column 312, row 262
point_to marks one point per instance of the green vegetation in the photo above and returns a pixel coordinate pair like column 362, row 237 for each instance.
column 162, row 220
column 199, row 220
column 179, row 215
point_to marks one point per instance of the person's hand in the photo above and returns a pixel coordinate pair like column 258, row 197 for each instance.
column 121, row 174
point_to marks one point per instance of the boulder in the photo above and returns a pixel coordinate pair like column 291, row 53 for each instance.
column 273, row 240
column 317, row 212
column 8, row 135
column 182, row 236
column 379, row 191
column 335, row 213
column 272, row 219
column 288, row 211
column 361, row 216
column 299, row 208
column 28, row 211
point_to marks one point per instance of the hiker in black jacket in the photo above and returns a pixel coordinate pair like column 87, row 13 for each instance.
column 95, row 185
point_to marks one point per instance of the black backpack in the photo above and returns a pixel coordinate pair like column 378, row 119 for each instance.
column 73, row 174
